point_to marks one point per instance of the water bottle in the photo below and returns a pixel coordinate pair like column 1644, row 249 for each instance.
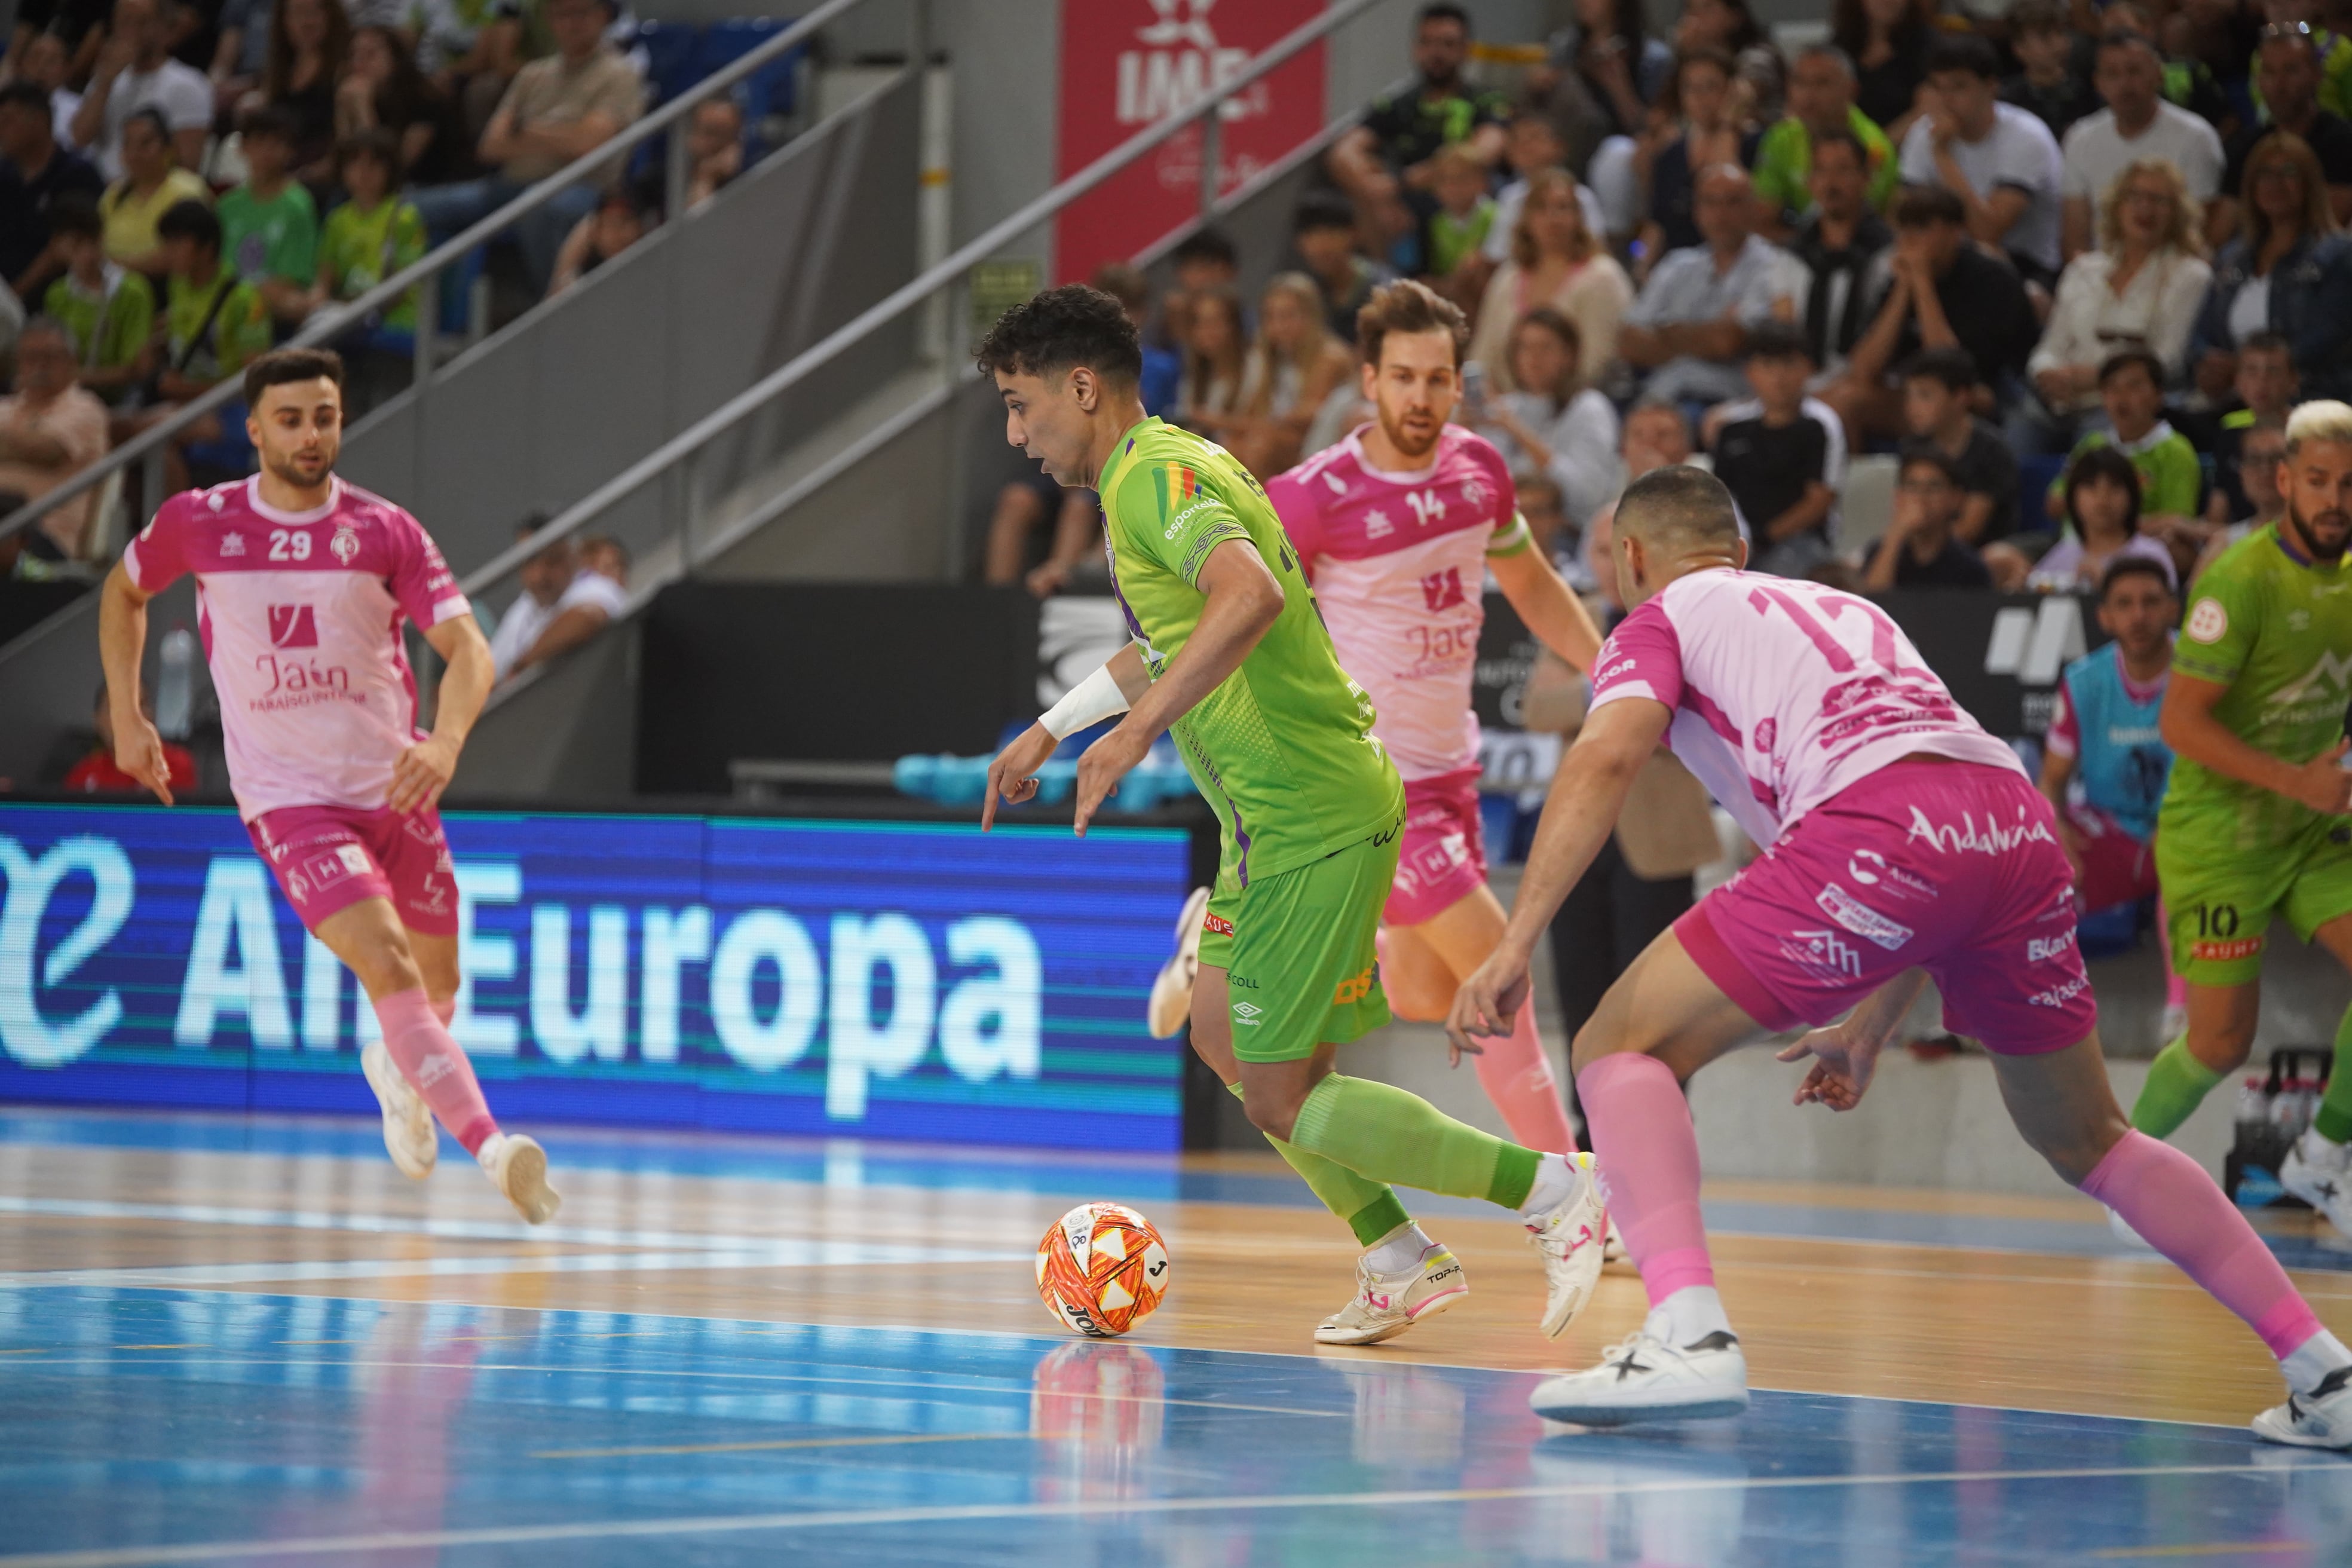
column 2254, row 1107
column 175, row 684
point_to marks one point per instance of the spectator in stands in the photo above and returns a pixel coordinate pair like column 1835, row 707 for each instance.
column 383, row 89
column 1731, row 26
column 1820, row 103
column 1557, row 261
column 1920, row 548
column 2290, row 75
column 2171, row 480
column 1708, row 134
column 1216, row 361
column 1834, row 253
column 1454, row 235
column 50, row 430
column 468, row 48
column 46, row 63
column 562, row 604
column 1205, row 261
column 618, row 224
column 1887, row 42
column 2289, row 273
column 1532, row 147
column 1290, row 374
column 373, row 234
column 2261, row 452
column 1554, row 423
column 1384, row 165
column 107, row 310
column 135, row 72
column 1323, row 236
column 35, row 171
column 309, row 41
column 2137, row 126
column 1604, row 73
column 2048, row 85
column 269, row 225
column 151, row 186
column 590, row 602
column 2144, row 285
column 1656, row 437
column 214, row 322
column 1690, row 325
column 2265, row 391
column 1561, row 540
column 558, row 110
column 714, row 148
column 1936, row 413
column 607, row 557
column 2102, row 493
column 1782, row 456
column 240, row 48
column 2000, row 161
column 1936, row 281
column 1125, row 282
column 95, row 774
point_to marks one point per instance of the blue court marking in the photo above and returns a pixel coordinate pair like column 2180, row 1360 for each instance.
column 1141, row 1179
column 143, row 1427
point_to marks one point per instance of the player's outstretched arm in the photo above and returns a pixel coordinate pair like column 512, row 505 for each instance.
column 1845, row 1054
column 1244, row 600
column 121, row 641
column 1113, row 688
column 1548, row 606
column 2188, row 726
column 1578, row 815
column 423, row 770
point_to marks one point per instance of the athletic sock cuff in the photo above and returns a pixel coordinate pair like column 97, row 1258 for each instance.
column 1378, row 1218
column 1515, row 1175
column 2334, row 1122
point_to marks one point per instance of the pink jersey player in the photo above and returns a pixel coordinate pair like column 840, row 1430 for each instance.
column 1900, row 842
column 302, row 586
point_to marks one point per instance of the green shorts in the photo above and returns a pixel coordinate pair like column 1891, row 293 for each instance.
column 1297, row 949
column 2219, row 905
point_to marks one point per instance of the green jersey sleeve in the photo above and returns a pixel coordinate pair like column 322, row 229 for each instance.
column 2218, row 637
column 2174, row 479
column 1172, row 521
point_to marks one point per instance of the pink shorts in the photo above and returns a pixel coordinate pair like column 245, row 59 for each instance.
column 1443, row 857
column 328, row 857
column 2117, row 869
column 1953, row 868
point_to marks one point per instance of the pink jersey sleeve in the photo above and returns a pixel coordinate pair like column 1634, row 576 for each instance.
column 1301, row 518
column 2065, row 737
column 1642, row 657
column 421, row 580
column 158, row 556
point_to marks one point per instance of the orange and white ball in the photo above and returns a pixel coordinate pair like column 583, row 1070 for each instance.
column 1102, row 1269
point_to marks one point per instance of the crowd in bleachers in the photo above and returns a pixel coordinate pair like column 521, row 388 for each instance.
column 2067, row 265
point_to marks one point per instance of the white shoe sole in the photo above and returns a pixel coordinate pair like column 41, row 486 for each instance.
column 1172, row 989
column 414, row 1152
column 1690, row 1403
column 1386, row 1331
column 2273, row 1428
column 523, row 1177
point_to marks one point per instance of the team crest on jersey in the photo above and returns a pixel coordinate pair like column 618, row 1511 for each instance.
column 345, row 544
column 1473, row 493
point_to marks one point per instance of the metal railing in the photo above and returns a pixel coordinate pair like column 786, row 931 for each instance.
column 682, row 453
column 148, row 448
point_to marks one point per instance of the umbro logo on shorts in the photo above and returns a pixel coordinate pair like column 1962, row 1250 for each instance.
column 1247, row 1013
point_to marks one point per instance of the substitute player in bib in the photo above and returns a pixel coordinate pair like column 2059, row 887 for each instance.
column 1397, row 527
column 1229, row 655
column 2254, row 824
column 1901, row 842
column 303, row 581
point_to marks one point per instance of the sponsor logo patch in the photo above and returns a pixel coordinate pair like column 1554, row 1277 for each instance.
column 1859, row 865
column 1355, row 988
column 1991, row 838
column 1217, row 923
column 293, row 626
column 1247, row 1013
column 1861, row 918
column 1823, row 954
column 2208, row 621
column 2221, row 952
column 2042, row 948
column 2058, row 995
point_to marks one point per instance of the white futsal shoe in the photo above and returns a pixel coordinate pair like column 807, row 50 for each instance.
column 517, row 1166
column 1171, row 991
column 2320, row 1420
column 1386, row 1305
column 408, row 1135
column 2320, row 1174
column 1571, row 1235
column 1643, row 1378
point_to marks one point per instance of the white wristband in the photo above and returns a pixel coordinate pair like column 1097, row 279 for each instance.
column 1090, row 701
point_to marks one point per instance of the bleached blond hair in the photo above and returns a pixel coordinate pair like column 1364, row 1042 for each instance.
column 2323, row 419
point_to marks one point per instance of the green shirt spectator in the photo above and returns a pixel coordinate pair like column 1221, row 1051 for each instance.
column 2170, row 479
column 363, row 246
column 1784, row 163
column 269, row 225
column 109, row 321
column 208, row 345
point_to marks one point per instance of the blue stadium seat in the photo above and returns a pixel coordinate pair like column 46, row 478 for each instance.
column 670, row 48
column 769, row 90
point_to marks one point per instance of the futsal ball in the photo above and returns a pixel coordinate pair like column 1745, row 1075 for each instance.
column 1102, row 1269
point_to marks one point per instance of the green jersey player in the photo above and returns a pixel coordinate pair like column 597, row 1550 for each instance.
column 2254, row 823
column 1229, row 653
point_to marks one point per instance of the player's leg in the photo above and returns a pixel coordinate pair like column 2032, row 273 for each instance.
column 1401, row 1276
column 2318, row 1169
column 1422, row 966
column 2217, row 914
column 2061, row 1103
column 1304, row 974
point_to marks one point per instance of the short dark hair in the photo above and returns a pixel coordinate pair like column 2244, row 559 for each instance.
column 1408, row 306
column 280, row 366
column 1920, row 205
column 1777, row 340
column 1842, row 136
column 2103, row 462
column 2265, row 342
column 2123, row 566
column 190, row 219
column 75, row 213
column 1210, row 245
column 1060, row 330
column 26, row 95
column 1969, row 52
column 1444, row 11
column 268, row 120
column 374, row 143
column 1927, row 454
column 2129, row 38
column 2038, row 16
column 1679, row 504
column 2124, row 358
column 151, row 115
column 1950, row 367
column 1323, row 209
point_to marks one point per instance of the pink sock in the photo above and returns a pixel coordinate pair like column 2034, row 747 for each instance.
column 2176, row 990
column 1647, row 1157
column 1517, row 1076
column 435, row 1064
column 2166, row 1196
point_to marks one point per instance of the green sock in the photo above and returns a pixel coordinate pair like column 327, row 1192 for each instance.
column 2334, row 1120
column 2177, row 1084
column 1371, row 1210
column 1390, row 1135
